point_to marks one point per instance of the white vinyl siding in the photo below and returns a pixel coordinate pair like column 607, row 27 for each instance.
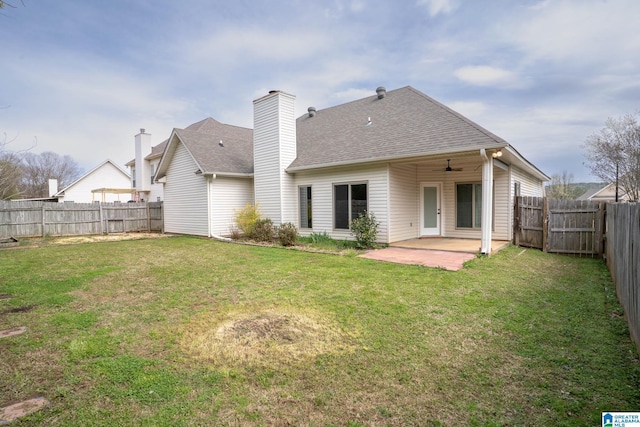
column 529, row 186
column 105, row 176
column 185, row 204
column 274, row 149
column 228, row 195
column 404, row 203
column 502, row 206
column 323, row 182
column 157, row 190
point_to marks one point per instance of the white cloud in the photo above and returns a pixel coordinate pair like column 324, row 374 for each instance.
column 358, row 6
column 438, row 6
column 237, row 45
column 89, row 109
column 540, row 5
column 577, row 32
column 484, row 75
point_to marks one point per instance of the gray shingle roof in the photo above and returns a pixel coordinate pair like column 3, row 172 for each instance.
column 157, row 150
column 203, row 138
column 405, row 123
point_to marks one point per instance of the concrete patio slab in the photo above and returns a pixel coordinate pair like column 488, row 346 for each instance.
column 449, row 244
column 430, row 258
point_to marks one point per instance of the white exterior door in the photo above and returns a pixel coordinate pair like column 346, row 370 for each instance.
column 430, row 209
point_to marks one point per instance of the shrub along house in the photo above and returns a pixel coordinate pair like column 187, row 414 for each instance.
column 420, row 167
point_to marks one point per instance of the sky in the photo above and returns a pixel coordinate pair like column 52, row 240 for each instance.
column 81, row 78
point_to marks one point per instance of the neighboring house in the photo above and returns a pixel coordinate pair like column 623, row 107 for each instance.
column 420, row 167
column 143, row 168
column 605, row 194
column 107, row 182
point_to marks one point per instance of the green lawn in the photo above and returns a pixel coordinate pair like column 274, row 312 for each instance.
column 188, row 331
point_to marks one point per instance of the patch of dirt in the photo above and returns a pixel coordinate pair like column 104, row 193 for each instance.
column 39, row 242
column 5, row 296
column 72, row 240
column 18, row 310
column 264, row 337
column 264, row 327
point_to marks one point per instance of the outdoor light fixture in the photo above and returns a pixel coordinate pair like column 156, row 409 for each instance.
column 497, row 154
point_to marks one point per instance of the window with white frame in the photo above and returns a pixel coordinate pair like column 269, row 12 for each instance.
column 469, row 205
column 153, row 171
column 304, row 194
column 349, row 201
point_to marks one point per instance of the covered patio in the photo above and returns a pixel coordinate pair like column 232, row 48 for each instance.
column 447, row 244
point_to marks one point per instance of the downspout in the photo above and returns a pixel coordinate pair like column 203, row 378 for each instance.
column 388, row 203
column 209, row 219
column 208, row 205
column 487, row 205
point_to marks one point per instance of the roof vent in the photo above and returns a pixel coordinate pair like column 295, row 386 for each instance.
column 221, row 144
column 142, row 130
column 312, row 111
column 382, row 92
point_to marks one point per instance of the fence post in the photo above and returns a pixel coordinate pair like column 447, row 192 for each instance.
column 545, row 223
column 101, row 219
column 602, row 217
column 148, row 218
column 44, row 223
column 516, row 221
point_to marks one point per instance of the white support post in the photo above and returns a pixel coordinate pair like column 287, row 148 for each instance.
column 487, row 202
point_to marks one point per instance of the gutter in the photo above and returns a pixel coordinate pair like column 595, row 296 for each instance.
column 390, row 159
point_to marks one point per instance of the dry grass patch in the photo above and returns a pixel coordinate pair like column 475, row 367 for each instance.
column 273, row 337
column 74, row 240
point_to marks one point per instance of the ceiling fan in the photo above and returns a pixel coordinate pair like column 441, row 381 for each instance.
column 449, row 168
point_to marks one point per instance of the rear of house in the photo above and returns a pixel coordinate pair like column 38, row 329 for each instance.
column 421, row 168
column 417, row 165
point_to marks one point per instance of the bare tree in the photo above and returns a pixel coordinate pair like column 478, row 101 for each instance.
column 613, row 154
column 562, row 187
column 37, row 169
column 11, row 168
column 4, row 3
column 10, row 171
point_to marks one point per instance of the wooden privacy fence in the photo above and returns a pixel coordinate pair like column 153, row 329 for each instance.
column 560, row 226
column 623, row 259
column 34, row 219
